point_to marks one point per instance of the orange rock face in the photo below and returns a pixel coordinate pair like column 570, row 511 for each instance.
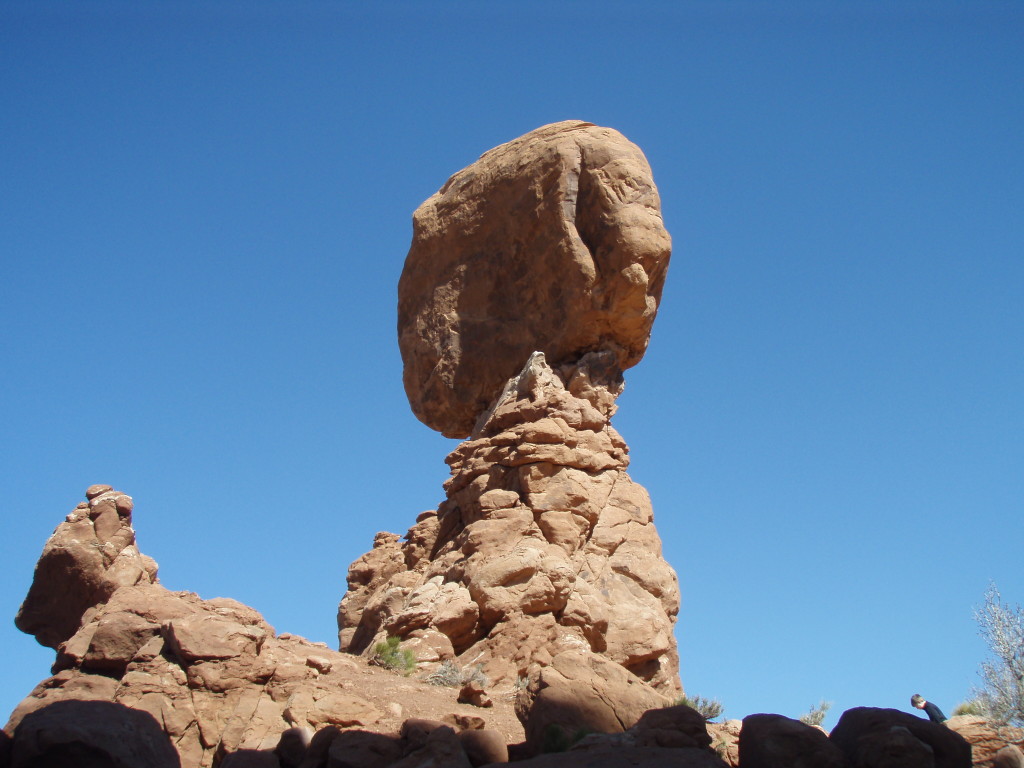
column 543, row 544
column 552, row 242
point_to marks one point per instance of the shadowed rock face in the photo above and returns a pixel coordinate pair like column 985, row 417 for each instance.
column 553, row 242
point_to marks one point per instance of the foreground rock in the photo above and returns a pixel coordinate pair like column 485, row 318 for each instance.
column 879, row 738
column 775, row 741
column 91, row 733
column 552, row 242
column 544, row 544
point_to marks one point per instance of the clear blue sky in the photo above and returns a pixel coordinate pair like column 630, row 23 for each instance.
column 205, row 210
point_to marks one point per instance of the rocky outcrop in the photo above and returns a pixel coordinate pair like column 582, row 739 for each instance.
column 90, row 555
column 211, row 674
column 986, row 738
column 551, row 242
column 543, row 544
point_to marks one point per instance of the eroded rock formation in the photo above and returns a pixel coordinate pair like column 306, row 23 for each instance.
column 544, row 544
column 212, row 674
column 531, row 284
column 551, row 242
column 88, row 557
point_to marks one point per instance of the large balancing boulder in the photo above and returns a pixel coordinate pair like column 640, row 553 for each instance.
column 553, row 242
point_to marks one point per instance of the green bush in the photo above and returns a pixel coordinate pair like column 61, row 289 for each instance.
column 390, row 655
column 816, row 715
column 709, row 709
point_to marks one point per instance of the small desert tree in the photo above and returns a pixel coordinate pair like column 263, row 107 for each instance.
column 816, row 716
column 1002, row 674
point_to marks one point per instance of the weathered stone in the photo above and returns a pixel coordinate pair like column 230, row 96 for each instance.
column 91, row 733
column 88, row 557
column 986, row 738
column 1009, row 756
column 677, row 726
column 552, row 242
column 949, row 748
column 540, row 546
column 360, row 749
column 483, row 746
column 442, row 749
column 775, row 741
column 579, row 692
column 725, row 740
column 475, row 694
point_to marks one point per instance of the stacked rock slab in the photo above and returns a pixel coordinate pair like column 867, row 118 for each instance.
column 531, row 284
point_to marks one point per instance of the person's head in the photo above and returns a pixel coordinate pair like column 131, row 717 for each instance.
column 917, row 700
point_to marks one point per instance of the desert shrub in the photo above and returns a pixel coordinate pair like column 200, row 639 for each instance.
column 708, row 708
column 1001, row 694
column 816, row 715
column 390, row 655
column 972, row 707
column 450, row 674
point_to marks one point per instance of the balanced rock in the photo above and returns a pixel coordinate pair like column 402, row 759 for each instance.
column 544, row 543
column 551, row 242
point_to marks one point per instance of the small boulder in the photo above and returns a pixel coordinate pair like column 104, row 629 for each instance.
column 442, row 749
column 474, row 693
column 484, row 746
column 361, row 749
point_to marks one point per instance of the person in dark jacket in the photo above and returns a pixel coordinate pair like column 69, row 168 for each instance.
column 933, row 712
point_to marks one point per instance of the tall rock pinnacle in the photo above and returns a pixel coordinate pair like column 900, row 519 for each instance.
column 532, row 283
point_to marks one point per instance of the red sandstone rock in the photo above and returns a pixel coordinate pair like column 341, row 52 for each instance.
column 543, row 543
column 582, row 692
column 88, row 557
column 552, row 242
column 483, row 746
column 985, row 738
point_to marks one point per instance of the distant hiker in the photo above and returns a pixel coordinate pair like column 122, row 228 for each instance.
column 933, row 712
